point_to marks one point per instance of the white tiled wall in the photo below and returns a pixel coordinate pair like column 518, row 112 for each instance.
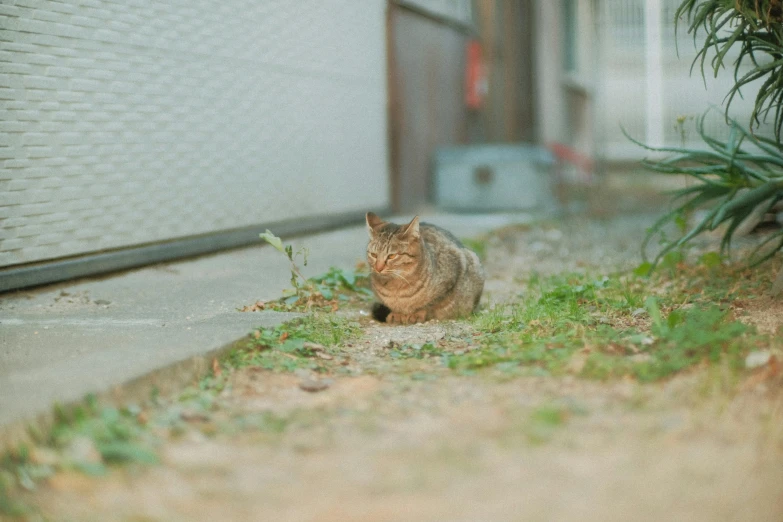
column 131, row 121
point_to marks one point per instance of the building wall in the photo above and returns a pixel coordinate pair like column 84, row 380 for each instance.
column 606, row 65
column 626, row 88
column 507, row 33
column 125, row 122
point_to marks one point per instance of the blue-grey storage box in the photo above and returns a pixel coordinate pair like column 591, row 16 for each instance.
column 493, row 177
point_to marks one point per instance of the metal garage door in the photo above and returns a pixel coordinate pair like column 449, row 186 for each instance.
column 134, row 122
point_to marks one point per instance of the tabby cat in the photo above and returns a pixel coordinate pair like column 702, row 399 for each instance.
column 421, row 272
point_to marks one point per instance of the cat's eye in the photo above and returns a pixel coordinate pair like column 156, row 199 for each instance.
column 371, row 254
column 391, row 256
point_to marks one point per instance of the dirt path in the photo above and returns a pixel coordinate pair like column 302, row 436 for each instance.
column 396, row 435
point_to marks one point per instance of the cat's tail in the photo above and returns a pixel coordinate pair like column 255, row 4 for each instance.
column 380, row 312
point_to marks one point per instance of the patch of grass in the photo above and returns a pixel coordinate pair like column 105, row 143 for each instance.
column 415, row 351
column 646, row 327
column 86, row 437
column 117, row 434
column 301, row 343
column 546, row 325
column 685, row 339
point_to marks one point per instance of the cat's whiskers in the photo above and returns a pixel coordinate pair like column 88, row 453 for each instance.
column 398, row 275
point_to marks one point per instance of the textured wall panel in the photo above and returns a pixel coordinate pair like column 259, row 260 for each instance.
column 134, row 121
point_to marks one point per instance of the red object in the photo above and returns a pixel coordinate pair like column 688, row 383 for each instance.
column 476, row 84
column 569, row 155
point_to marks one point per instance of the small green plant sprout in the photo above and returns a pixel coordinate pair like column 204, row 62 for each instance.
column 679, row 126
column 288, row 250
column 324, row 291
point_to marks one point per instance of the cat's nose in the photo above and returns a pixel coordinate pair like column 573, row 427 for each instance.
column 379, row 265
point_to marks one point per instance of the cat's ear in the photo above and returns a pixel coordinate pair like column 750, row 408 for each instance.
column 373, row 222
column 411, row 230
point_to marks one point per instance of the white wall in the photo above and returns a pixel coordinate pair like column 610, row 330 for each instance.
column 130, row 121
column 624, row 87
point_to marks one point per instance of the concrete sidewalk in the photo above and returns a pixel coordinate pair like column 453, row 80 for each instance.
column 60, row 342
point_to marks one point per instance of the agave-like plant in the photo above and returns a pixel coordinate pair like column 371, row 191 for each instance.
column 756, row 28
column 741, row 177
column 735, row 179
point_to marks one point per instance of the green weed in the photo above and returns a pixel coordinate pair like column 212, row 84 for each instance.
column 326, row 291
column 336, row 282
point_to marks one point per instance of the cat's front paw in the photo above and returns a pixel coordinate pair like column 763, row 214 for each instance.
column 418, row 317
column 398, row 318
